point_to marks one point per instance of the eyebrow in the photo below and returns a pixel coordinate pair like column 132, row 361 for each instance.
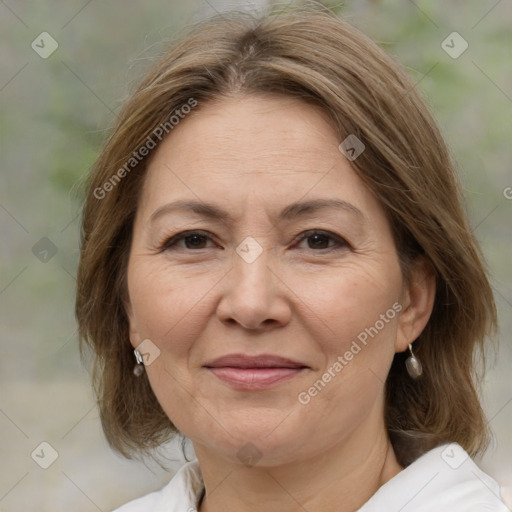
column 292, row 211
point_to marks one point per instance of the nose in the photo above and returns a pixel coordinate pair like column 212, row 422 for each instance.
column 254, row 295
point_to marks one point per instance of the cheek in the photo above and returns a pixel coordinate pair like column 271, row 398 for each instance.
column 168, row 303
column 355, row 326
column 359, row 313
column 342, row 302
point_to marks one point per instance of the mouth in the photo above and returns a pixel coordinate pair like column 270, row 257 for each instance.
column 254, row 372
column 254, row 378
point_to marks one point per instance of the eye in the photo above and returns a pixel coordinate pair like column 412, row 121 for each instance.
column 197, row 239
column 320, row 240
column 192, row 239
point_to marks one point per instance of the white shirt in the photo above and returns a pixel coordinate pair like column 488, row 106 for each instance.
column 444, row 479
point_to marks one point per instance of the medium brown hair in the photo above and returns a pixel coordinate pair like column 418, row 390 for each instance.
column 310, row 54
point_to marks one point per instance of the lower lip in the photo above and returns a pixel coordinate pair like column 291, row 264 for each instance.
column 254, row 378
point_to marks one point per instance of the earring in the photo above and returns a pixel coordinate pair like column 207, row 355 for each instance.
column 138, row 370
column 413, row 365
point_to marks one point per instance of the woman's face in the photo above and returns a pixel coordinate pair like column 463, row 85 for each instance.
column 256, row 280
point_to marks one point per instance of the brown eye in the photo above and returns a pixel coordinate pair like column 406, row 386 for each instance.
column 192, row 239
column 320, row 240
column 196, row 240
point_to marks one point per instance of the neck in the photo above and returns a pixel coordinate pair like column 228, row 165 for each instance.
column 341, row 480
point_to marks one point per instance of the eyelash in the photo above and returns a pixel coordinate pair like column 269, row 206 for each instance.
column 169, row 244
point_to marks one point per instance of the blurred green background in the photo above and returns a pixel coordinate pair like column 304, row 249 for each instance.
column 54, row 114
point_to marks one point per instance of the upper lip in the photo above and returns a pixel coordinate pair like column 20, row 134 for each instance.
column 261, row 361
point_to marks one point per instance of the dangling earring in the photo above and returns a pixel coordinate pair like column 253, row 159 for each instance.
column 413, row 365
column 138, row 370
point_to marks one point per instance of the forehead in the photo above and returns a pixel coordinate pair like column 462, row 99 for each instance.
column 253, row 132
column 275, row 149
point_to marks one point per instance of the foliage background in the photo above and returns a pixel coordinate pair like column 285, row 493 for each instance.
column 54, row 115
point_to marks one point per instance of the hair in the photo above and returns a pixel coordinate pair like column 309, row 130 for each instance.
column 310, row 54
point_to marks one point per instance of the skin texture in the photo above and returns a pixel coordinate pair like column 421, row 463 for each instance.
column 302, row 298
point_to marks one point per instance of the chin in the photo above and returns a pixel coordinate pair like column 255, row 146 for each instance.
column 250, row 444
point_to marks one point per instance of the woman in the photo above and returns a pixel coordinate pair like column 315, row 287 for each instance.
column 276, row 264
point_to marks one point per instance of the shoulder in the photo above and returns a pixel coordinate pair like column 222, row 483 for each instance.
column 181, row 494
column 444, row 479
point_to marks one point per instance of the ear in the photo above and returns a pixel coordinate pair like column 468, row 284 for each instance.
column 417, row 303
column 135, row 339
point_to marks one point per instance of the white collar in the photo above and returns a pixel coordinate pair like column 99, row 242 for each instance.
column 444, row 479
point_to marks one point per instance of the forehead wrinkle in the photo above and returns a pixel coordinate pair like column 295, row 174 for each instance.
column 299, row 209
